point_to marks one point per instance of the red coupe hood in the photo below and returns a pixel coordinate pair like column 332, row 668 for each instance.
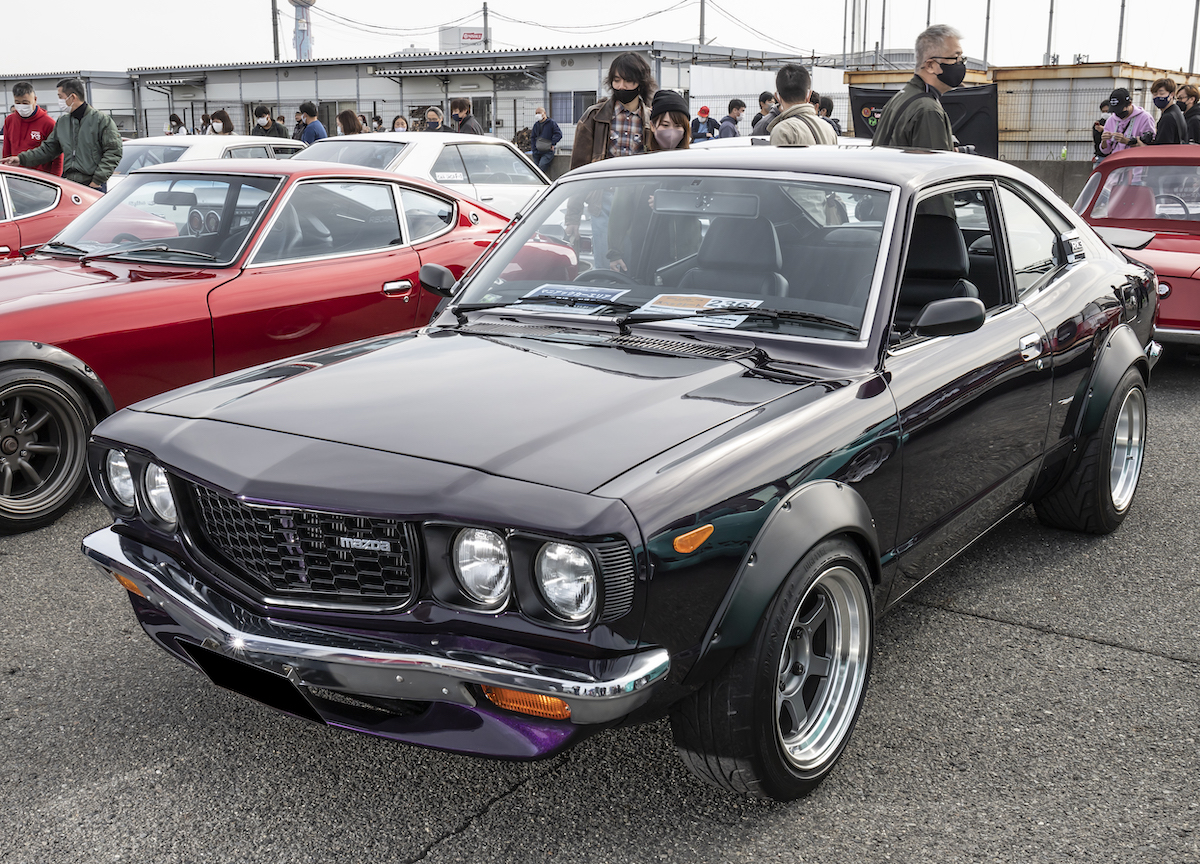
column 1167, row 263
column 22, row 279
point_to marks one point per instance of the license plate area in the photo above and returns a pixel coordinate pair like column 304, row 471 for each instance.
column 261, row 685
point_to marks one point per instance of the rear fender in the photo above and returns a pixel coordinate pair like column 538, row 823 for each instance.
column 1120, row 353
column 15, row 352
column 804, row 518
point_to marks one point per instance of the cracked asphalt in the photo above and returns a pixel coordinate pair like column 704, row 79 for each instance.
column 1036, row 701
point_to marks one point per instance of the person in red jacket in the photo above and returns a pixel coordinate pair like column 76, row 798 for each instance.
column 28, row 127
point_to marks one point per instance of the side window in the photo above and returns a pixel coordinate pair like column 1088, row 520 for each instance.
column 489, row 163
column 449, row 169
column 425, row 214
column 247, row 153
column 3, row 210
column 30, row 196
column 1032, row 244
column 332, row 218
column 284, row 151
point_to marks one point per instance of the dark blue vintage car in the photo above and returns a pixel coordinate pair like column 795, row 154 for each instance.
column 685, row 481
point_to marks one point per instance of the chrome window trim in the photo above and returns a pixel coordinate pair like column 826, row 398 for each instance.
column 8, row 198
column 283, row 202
column 408, row 233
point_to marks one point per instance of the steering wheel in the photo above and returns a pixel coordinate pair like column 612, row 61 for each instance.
column 597, row 275
column 126, row 237
column 1187, row 214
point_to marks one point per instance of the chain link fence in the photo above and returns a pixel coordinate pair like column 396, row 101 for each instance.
column 1037, row 123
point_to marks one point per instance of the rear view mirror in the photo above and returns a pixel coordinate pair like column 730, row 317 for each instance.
column 713, row 204
column 175, row 199
column 950, row 317
column 439, row 280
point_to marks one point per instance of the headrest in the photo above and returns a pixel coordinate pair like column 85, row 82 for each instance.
column 741, row 244
column 936, row 249
column 847, row 236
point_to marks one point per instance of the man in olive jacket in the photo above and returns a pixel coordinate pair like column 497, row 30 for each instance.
column 914, row 117
column 87, row 139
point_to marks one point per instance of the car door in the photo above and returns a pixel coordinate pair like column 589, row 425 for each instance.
column 502, row 180
column 330, row 266
column 973, row 408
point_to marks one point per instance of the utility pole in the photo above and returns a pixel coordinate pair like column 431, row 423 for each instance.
column 928, row 12
column 987, row 29
column 701, row 23
column 1049, row 35
column 866, row 16
column 1121, row 31
column 882, row 29
column 275, row 27
column 487, row 36
column 846, row 22
column 853, row 24
column 1195, row 21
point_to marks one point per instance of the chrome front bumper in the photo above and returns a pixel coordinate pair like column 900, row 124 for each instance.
column 1177, row 336
column 423, row 670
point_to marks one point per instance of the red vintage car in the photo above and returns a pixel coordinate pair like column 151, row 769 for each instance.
column 189, row 270
column 34, row 206
column 1152, row 194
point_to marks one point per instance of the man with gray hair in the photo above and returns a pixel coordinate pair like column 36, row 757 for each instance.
column 87, row 140
column 914, row 117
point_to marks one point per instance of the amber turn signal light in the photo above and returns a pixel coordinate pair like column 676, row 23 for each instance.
column 550, row 707
column 692, row 540
column 128, row 584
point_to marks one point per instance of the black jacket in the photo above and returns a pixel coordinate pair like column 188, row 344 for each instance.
column 470, row 126
column 760, row 127
column 275, row 130
column 1192, row 119
column 1172, row 128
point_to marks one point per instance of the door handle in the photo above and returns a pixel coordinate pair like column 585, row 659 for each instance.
column 488, row 198
column 393, row 289
column 1031, row 346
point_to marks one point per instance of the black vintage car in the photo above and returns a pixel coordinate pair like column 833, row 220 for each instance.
column 685, row 481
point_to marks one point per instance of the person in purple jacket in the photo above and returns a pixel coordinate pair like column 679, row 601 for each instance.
column 1126, row 123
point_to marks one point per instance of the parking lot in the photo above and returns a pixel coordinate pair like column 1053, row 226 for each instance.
column 1037, row 700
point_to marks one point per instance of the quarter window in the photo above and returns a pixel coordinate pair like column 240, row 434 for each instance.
column 247, row 153
column 30, row 196
column 425, row 214
column 323, row 219
column 449, row 169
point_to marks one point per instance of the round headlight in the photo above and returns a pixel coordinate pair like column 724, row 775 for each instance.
column 481, row 561
column 567, row 579
column 158, row 494
column 120, row 478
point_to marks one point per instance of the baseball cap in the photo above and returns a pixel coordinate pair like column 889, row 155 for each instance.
column 703, row 112
column 1119, row 97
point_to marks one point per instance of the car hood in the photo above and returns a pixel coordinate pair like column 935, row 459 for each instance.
column 22, row 279
column 572, row 416
column 1166, row 262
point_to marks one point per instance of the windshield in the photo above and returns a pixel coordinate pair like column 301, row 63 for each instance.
column 1149, row 192
column 175, row 218
column 147, row 155
column 684, row 246
column 368, row 154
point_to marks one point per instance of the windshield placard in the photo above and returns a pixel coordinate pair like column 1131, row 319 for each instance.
column 683, row 304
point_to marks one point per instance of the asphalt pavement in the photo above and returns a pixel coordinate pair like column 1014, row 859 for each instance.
column 1035, row 701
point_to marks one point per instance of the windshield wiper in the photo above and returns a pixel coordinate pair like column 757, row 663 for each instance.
column 771, row 314
column 62, row 245
column 158, row 247
column 460, row 311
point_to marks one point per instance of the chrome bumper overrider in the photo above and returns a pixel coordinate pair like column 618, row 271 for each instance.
column 353, row 664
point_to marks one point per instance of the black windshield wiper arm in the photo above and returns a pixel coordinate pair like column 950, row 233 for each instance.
column 62, row 245
column 460, row 311
column 155, row 247
column 771, row 314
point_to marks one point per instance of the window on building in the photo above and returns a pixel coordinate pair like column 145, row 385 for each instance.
column 568, row 107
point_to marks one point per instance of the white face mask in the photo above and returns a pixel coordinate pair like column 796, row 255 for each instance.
column 24, row 110
column 62, row 105
column 540, row 117
column 218, row 126
column 264, row 122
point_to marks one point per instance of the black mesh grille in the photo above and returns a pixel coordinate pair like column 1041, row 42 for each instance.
column 617, row 571
column 295, row 553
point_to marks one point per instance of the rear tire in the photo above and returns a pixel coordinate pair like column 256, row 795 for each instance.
column 1097, row 495
column 775, row 720
column 44, row 425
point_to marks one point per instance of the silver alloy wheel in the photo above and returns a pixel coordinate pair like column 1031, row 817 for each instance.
column 1128, row 447
column 823, row 668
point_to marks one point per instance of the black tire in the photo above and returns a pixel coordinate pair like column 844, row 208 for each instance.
column 812, row 650
column 44, row 425
column 1095, row 498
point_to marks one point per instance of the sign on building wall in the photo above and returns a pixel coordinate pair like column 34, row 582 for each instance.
column 458, row 38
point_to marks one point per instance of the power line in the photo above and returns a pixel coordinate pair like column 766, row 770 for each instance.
column 591, row 28
column 383, row 29
column 759, row 33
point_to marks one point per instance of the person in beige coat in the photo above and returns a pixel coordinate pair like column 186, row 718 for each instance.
column 797, row 123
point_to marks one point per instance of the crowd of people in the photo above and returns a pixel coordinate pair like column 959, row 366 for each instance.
column 1123, row 125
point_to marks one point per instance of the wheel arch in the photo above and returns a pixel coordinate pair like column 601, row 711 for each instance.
column 805, row 517
column 1120, row 353
column 16, row 352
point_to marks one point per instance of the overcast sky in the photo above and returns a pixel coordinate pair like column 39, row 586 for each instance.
column 129, row 33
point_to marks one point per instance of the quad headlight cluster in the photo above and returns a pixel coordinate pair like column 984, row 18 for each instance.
column 156, row 495
column 564, row 574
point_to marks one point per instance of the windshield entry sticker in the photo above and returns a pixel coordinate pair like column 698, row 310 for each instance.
column 574, row 292
column 690, row 304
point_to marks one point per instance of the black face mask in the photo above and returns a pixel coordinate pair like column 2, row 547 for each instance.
column 952, row 74
column 626, row 96
column 1125, row 112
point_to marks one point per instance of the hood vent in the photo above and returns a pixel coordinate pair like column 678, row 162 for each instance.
column 636, row 343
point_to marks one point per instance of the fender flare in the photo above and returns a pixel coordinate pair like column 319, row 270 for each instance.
column 805, row 517
column 1120, row 353
column 52, row 359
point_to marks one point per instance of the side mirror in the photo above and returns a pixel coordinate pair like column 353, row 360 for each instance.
column 439, row 280
column 950, row 317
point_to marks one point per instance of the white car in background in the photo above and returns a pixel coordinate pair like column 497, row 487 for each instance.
column 159, row 150
column 490, row 170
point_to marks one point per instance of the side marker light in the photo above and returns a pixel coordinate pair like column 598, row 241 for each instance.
column 692, row 540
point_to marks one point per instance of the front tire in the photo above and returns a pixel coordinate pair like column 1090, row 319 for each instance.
column 775, row 720
column 1097, row 495
column 44, row 424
